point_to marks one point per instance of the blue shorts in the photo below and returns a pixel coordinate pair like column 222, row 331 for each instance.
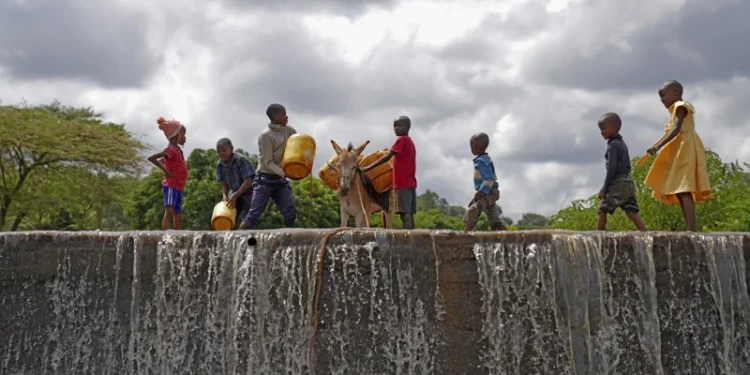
column 172, row 198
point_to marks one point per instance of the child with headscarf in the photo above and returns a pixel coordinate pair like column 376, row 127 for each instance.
column 171, row 160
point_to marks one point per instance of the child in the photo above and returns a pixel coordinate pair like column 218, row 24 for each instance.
column 485, row 184
column 618, row 189
column 679, row 173
column 235, row 174
column 172, row 162
column 271, row 182
column 404, row 156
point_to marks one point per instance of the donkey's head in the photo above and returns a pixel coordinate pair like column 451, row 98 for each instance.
column 347, row 165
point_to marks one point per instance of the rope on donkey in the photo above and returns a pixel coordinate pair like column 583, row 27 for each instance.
column 310, row 208
column 361, row 203
column 318, row 291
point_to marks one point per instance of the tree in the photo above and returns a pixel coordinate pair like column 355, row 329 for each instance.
column 144, row 208
column 76, row 199
column 530, row 220
column 728, row 211
column 40, row 144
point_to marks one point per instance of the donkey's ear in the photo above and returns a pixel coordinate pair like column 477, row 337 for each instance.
column 361, row 148
column 336, row 147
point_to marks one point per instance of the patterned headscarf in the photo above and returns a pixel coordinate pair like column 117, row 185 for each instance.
column 169, row 127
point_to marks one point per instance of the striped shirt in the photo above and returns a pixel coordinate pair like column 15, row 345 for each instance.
column 236, row 172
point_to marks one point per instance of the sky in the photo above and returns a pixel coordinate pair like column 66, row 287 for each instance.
column 535, row 75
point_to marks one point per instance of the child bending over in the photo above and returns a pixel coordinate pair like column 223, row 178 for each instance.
column 235, row 174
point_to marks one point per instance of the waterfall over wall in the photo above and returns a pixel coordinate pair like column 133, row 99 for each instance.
column 391, row 302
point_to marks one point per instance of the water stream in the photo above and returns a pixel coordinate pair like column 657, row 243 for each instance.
column 391, row 303
column 591, row 304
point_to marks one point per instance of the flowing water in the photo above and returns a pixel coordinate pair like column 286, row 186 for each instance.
column 588, row 304
column 390, row 303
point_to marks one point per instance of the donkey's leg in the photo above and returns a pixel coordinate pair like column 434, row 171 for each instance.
column 359, row 220
column 344, row 215
column 388, row 215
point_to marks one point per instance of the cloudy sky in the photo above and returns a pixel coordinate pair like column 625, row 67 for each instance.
column 533, row 74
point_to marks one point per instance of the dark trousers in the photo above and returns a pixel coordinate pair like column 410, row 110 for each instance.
column 278, row 189
column 243, row 205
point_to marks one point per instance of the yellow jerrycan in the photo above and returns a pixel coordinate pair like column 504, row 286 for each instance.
column 299, row 156
column 380, row 176
column 223, row 217
column 329, row 174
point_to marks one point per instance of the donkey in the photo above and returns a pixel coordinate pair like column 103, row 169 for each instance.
column 355, row 197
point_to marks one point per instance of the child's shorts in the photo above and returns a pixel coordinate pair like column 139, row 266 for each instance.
column 172, row 197
column 621, row 194
column 406, row 201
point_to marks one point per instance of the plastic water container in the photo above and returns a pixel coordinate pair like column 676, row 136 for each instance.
column 299, row 156
column 223, row 217
column 381, row 176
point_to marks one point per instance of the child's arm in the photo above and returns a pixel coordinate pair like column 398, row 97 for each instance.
column 680, row 115
column 155, row 159
column 378, row 162
column 265, row 147
column 488, row 178
column 224, row 191
column 247, row 177
column 220, row 180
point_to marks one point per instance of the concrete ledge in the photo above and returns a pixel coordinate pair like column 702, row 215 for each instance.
column 391, row 302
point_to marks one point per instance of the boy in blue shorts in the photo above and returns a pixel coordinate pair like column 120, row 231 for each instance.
column 172, row 161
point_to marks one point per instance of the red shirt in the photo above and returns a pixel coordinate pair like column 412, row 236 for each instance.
column 404, row 163
column 175, row 164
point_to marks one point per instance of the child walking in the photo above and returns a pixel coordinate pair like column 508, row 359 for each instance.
column 485, row 184
column 618, row 189
column 271, row 182
column 235, row 174
column 679, row 174
column 172, row 161
column 404, row 171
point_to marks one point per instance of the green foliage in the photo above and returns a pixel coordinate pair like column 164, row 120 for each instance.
column 145, row 209
column 728, row 211
column 202, row 192
column 61, row 161
column 530, row 220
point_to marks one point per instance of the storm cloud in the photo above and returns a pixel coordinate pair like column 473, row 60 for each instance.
column 95, row 42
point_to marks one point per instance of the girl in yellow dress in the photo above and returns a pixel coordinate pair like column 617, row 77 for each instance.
column 679, row 173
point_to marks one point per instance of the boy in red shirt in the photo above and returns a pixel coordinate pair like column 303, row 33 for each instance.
column 404, row 156
column 172, row 162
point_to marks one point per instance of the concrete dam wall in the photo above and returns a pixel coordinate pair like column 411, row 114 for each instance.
column 379, row 302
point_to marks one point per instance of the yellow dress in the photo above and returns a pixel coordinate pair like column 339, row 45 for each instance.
column 680, row 166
